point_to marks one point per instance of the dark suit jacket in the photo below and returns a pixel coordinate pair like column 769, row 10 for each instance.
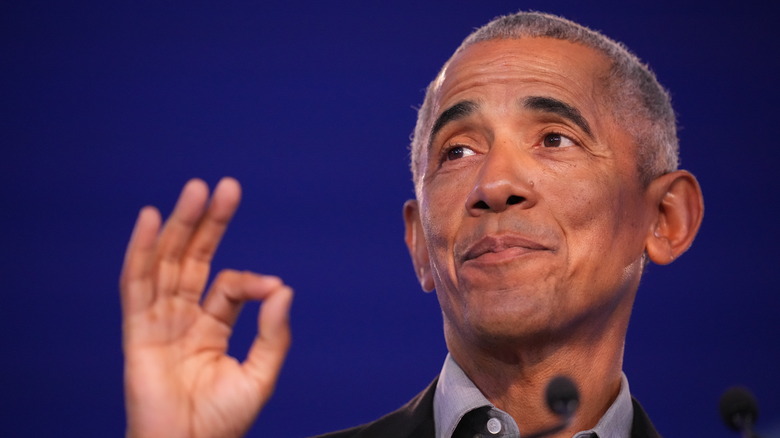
column 415, row 420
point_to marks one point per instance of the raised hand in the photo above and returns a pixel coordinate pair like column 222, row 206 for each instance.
column 179, row 380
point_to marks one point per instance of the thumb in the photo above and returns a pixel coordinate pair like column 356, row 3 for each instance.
column 269, row 349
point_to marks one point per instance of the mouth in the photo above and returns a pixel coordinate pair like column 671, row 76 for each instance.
column 500, row 248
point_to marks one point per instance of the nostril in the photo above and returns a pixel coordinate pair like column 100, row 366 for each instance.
column 482, row 205
column 512, row 200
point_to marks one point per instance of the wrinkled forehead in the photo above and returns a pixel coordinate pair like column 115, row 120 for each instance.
column 530, row 65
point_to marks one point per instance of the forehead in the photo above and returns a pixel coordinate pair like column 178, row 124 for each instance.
column 528, row 66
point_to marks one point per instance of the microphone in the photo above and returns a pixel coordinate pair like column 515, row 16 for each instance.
column 562, row 396
column 739, row 410
column 562, row 399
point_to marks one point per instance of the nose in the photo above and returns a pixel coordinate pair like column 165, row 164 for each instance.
column 503, row 181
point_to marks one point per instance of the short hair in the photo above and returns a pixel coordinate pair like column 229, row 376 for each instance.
column 640, row 103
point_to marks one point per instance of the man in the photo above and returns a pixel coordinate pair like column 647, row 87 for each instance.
column 544, row 162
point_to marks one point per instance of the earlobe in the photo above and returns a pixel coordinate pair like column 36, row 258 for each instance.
column 680, row 207
column 415, row 242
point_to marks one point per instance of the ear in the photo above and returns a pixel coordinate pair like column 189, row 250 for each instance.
column 680, row 208
column 415, row 241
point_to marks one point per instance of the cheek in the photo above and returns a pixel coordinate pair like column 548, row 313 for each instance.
column 435, row 222
column 601, row 223
column 442, row 213
column 580, row 207
column 442, row 205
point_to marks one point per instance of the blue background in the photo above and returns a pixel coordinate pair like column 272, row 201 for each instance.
column 108, row 106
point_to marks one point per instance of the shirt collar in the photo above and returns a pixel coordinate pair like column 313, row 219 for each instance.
column 456, row 395
column 618, row 418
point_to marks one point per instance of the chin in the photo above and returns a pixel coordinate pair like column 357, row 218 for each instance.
column 509, row 324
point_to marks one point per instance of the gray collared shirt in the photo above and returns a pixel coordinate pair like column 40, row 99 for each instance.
column 456, row 395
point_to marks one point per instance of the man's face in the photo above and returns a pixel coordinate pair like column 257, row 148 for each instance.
column 530, row 217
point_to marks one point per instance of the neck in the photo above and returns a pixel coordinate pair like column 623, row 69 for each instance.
column 514, row 377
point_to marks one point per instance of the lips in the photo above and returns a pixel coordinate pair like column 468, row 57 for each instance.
column 507, row 245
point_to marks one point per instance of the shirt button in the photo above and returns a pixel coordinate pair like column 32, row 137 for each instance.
column 494, row 426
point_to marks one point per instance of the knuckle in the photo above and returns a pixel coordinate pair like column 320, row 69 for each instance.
column 274, row 278
column 247, row 275
column 227, row 276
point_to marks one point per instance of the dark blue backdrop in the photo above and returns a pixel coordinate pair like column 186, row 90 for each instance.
column 107, row 106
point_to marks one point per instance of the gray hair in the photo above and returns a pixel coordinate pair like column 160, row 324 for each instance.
column 640, row 103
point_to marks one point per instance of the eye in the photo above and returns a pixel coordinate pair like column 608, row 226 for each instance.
column 555, row 140
column 457, row 151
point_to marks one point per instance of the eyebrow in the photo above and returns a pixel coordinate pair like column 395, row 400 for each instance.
column 555, row 106
column 458, row 111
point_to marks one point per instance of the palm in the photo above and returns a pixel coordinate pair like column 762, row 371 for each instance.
column 179, row 379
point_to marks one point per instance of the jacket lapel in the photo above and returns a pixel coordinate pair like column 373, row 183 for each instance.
column 641, row 426
column 412, row 420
